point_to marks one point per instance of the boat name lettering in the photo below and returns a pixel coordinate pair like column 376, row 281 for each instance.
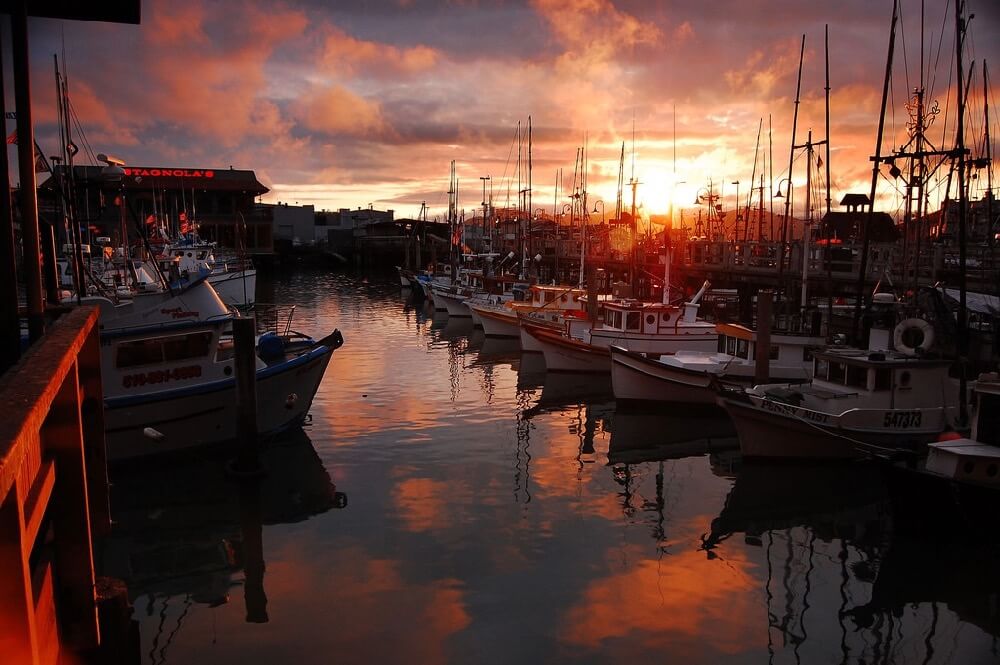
column 177, row 173
column 179, row 313
column 902, row 419
column 795, row 412
column 161, row 376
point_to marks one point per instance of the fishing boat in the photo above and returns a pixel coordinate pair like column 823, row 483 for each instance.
column 169, row 381
column 541, row 303
column 859, row 402
column 234, row 280
column 691, row 376
column 643, row 327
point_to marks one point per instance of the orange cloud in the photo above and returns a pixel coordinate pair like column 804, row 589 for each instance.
column 344, row 56
column 336, row 110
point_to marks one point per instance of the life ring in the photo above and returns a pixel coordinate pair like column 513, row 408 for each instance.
column 905, row 332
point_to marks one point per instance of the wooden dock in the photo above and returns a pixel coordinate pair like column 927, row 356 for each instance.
column 53, row 494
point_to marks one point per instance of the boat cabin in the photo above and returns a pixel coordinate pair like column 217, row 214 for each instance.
column 787, row 350
column 887, row 379
column 635, row 316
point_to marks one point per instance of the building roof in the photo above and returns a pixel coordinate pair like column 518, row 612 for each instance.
column 169, row 177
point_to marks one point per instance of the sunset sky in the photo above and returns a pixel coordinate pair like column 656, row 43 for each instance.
column 354, row 103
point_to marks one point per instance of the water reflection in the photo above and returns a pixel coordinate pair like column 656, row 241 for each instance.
column 185, row 528
column 502, row 514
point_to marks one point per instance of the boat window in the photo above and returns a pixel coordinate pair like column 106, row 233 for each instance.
column 201, row 256
column 650, row 319
column 837, row 372
column 821, row 368
column 160, row 349
column 807, row 353
column 181, row 347
column 140, row 352
column 731, row 346
column 742, row 348
column 857, row 377
column 549, row 296
column 563, row 298
column 775, row 351
column 666, row 317
column 633, row 320
column 617, row 320
column 609, row 317
column 722, row 344
column 883, row 378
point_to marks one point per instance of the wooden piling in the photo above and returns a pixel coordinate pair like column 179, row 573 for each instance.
column 245, row 366
column 763, row 349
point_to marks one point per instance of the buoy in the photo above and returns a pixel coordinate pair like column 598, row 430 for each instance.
column 153, row 434
column 913, row 336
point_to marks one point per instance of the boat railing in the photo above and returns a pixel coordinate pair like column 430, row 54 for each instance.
column 274, row 317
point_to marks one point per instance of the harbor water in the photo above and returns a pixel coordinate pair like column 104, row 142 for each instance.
column 448, row 501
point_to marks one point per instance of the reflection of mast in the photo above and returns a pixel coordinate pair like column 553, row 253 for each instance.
column 522, row 454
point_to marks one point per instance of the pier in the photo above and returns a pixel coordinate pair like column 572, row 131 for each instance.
column 53, row 494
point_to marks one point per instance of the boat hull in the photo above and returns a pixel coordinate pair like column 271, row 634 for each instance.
column 453, row 304
column 498, row 324
column 637, row 378
column 207, row 415
column 769, row 431
column 563, row 354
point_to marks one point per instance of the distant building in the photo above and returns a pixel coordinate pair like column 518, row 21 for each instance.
column 849, row 226
column 218, row 202
column 291, row 223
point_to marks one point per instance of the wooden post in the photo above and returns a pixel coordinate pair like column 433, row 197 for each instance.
column 592, row 293
column 245, row 364
column 26, row 168
column 10, row 334
column 763, row 351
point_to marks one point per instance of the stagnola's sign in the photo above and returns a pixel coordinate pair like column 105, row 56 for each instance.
column 162, row 172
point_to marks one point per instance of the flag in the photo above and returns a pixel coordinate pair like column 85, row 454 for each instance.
column 41, row 164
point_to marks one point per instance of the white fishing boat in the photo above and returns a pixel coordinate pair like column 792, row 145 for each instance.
column 642, row 327
column 858, row 403
column 234, row 280
column 691, row 376
column 543, row 302
column 169, row 380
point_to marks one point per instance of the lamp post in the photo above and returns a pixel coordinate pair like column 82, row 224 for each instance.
column 599, row 203
column 486, row 215
column 788, row 205
column 736, row 229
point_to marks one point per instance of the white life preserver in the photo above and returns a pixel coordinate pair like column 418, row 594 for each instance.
column 905, row 326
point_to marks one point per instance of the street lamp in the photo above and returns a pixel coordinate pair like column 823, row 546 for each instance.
column 599, row 203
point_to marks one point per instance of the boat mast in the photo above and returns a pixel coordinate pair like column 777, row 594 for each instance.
column 963, row 340
column 876, row 161
column 791, row 160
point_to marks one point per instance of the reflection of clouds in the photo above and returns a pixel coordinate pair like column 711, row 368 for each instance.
column 423, row 503
column 346, row 602
column 672, row 603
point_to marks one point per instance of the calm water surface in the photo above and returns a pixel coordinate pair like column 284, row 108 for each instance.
column 449, row 502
